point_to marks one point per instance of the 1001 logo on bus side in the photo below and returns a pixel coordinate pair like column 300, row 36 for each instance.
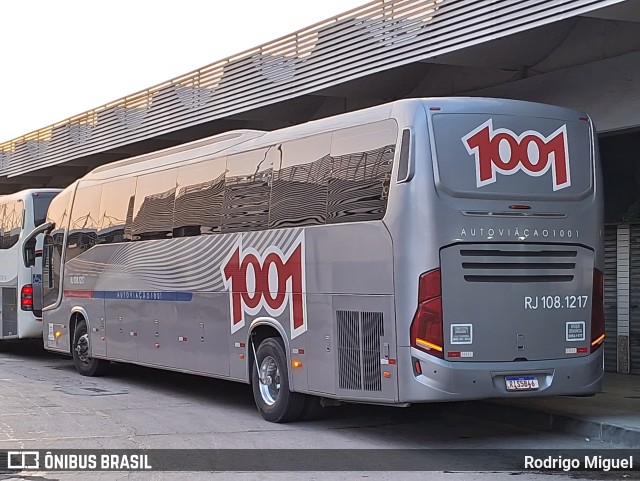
column 271, row 281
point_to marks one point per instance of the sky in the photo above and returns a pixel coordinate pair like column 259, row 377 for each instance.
column 61, row 58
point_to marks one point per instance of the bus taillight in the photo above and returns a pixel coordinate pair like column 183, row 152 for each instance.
column 26, row 297
column 597, row 311
column 426, row 328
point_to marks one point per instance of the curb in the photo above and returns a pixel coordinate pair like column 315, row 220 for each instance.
column 549, row 421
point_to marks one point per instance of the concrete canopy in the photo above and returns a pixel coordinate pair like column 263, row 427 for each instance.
column 583, row 54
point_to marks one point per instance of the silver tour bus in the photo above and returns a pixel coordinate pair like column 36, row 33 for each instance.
column 424, row 250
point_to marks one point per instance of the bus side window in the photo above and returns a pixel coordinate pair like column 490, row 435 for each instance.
column 12, row 221
column 247, row 191
column 300, row 182
column 154, row 205
column 116, row 211
column 362, row 159
column 403, row 161
column 199, row 197
column 84, row 221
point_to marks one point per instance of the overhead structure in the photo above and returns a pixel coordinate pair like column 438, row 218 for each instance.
column 384, row 50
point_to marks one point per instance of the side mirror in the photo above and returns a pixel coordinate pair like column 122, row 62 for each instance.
column 29, row 253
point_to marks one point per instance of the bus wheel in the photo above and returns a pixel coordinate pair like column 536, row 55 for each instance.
column 85, row 365
column 275, row 401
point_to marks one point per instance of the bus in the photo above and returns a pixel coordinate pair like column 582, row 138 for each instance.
column 423, row 250
column 20, row 313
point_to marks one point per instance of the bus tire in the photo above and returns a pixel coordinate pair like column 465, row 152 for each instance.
column 275, row 401
column 85, row 365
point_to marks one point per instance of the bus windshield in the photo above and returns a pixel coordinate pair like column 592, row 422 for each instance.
column 41, row 203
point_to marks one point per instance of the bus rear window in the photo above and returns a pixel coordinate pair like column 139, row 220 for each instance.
column 512, row 156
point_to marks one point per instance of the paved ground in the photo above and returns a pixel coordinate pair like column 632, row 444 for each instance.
column 45, row 404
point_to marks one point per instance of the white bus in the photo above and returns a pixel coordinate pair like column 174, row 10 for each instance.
column 423, row 250
column 20, row 312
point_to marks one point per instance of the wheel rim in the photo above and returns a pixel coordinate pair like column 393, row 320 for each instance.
column 269, row 380
column 82, row 348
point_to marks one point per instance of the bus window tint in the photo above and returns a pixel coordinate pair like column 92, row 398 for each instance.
column 12, row 219
column 200, row 193
column 116, row 211
column 153, row 205
column 41, row 203
column 58, row 213
column 362, row 158
column 84, row 221
column 300, row 182
column 247, row 191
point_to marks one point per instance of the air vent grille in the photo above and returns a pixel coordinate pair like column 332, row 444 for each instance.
column 497, row 265
column 359, row 336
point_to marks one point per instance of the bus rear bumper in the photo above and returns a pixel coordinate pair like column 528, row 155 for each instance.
column 441, row 380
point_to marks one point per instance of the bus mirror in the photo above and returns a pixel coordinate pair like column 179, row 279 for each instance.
column 29, row 253
column 29, row 250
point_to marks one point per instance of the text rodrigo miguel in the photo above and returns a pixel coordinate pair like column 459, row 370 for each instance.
column 587, row 462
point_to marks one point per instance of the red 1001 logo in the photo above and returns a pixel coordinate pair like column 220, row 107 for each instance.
column 270, row 281
column 501, row 150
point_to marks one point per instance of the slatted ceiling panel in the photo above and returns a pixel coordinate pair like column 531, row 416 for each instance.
column 107, row 130
column 610, row 298
column 375, row 37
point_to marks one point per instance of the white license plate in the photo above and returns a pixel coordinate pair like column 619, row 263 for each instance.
column 527, row 383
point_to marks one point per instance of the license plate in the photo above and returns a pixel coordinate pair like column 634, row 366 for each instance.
column 526, row 383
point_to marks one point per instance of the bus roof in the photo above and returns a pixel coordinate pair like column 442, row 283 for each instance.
column 245, row 140
column 230, row 142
